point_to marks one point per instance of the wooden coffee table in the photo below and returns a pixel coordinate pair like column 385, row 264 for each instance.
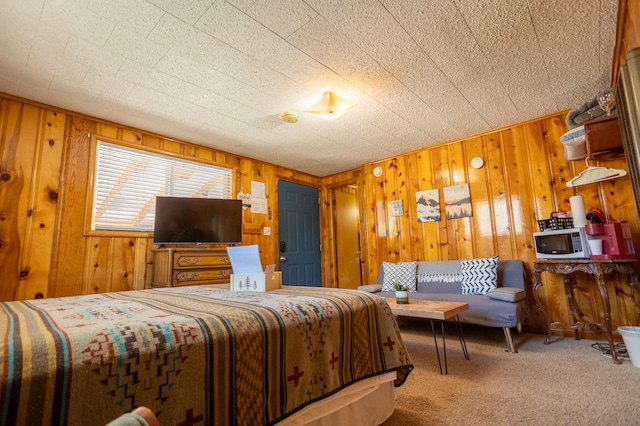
column 434, row 310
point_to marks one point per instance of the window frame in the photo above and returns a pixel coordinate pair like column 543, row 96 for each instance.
column 94, row 139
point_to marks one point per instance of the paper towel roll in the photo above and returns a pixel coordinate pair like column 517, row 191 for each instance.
column 577, row 211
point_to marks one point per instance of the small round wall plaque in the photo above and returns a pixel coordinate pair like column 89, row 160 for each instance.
column 477, row 162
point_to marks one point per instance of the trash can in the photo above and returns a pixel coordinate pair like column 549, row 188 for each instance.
column 631, row 338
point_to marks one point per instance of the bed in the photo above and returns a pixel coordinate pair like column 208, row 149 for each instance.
column 200, row 354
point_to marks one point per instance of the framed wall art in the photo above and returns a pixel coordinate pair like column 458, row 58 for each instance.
column 428, row 205
column 396, row 208
column 457, row 201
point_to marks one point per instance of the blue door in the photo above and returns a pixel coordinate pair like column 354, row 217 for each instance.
column 299, row 234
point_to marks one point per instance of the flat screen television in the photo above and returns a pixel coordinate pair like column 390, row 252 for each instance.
column 197, row 221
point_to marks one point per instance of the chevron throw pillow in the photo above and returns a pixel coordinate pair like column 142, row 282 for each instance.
column 401, row 272
column 479, row 276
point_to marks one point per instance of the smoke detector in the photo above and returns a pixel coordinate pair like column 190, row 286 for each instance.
column 289, row 117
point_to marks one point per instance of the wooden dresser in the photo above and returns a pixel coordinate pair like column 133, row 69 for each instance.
column 174, row 267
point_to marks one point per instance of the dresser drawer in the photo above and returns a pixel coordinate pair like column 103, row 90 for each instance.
column 197, row 259
column 201, row 276
column 174, row 267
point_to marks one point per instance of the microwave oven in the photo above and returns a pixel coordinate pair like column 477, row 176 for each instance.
column 561, row 244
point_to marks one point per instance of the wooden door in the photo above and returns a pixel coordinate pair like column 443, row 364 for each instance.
column 347, row 239
column 299, row 234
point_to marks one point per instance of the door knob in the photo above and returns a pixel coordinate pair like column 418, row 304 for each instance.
column 283, row 259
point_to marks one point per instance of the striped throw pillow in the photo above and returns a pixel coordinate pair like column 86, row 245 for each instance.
column 479, row 276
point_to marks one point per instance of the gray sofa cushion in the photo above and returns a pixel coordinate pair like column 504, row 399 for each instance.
column 441, row 277
column 511, row 273
column 507, row 294
column 483, row 310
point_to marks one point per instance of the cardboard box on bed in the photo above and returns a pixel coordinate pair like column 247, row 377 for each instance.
column 247, row 276
column 256, row 282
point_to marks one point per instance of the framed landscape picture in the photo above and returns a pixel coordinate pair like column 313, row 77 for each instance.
column 428, row 205
column 457, row 201
column 396, row 208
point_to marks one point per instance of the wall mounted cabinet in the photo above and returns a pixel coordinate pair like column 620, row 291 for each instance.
column 602, row 135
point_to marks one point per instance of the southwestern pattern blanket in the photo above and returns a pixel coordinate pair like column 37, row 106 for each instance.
column 197, row 354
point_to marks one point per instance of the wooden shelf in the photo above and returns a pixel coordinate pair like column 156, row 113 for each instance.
column 602, row 135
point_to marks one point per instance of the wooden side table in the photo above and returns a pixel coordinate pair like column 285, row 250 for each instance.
column 598, row 268
column 434, row 310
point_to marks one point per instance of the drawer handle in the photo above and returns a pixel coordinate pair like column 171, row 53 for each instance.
column 190, row 260
column 225, row 259
column 223, row 273
column 186, row 276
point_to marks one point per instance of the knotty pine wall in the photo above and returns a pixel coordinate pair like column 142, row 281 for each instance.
column 523, row 179
column 44, row 183
column 627, row 34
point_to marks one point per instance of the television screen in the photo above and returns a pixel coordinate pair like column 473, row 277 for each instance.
column 197, row 221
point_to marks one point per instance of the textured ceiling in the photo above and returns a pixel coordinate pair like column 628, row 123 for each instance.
column 219, row 73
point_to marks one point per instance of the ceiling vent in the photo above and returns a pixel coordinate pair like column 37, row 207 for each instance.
column 289, row 117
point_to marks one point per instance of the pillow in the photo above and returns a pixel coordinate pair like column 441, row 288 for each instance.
column 445, row 271
column 507, row 294
column 401, row 272
column 575, row 146
column 479, row 276
column 439, row 278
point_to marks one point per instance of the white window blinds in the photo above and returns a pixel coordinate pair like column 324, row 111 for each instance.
column 128, row 180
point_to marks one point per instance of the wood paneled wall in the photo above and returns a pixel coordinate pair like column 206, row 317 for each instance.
column 44, row 252
column 523, row 179
column 44, row 181
column 627, row 34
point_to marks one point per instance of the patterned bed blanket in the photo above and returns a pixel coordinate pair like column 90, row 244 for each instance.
column 194, row 355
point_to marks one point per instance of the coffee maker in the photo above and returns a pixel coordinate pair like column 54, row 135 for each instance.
column 615, row 238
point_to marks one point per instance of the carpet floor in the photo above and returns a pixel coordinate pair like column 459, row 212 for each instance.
column 567, row 382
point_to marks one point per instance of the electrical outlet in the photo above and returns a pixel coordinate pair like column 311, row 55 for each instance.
column 267, row 230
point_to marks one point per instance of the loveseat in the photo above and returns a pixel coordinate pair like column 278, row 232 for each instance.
column 494, row 290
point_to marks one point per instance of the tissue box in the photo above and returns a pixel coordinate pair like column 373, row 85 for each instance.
column 256, row 282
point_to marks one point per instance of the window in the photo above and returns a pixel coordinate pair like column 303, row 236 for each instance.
column 127, row 181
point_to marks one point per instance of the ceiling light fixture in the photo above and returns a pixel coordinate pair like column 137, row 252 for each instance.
column 330, row 106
